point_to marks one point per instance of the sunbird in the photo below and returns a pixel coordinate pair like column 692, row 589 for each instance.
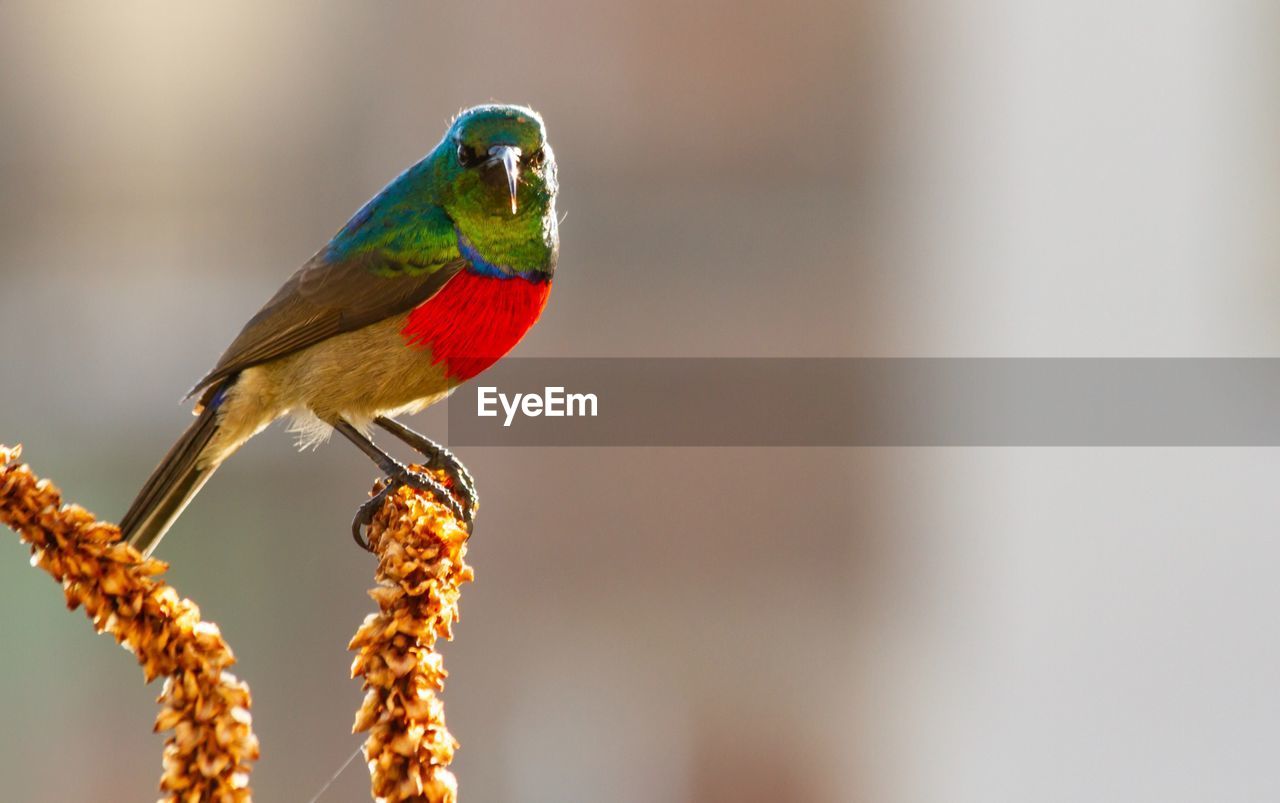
column 435, row 278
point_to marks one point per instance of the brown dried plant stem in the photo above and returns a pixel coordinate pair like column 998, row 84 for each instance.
column 207, row 756
column 421, row 550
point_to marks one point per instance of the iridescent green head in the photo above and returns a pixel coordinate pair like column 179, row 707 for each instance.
column 488, row 190
column 496, row 176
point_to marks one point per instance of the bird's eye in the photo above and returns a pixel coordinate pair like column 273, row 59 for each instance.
column 536, row 158
column 467, row 156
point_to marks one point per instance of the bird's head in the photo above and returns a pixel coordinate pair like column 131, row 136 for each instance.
column 498, row 165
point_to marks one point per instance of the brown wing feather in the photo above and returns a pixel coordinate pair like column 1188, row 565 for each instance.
column 323, row 299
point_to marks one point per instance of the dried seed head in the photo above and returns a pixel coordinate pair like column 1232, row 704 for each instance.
column 208, row 754
column 421, row 566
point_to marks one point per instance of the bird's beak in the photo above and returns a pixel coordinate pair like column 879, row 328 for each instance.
column 509, row 155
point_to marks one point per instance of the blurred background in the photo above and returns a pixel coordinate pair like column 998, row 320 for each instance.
column 812, row 178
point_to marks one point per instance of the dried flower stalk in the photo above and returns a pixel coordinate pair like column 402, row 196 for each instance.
column 207, row 756
column 421, row 550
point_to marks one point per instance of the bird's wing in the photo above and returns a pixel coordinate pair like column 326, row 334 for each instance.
column 325, row 298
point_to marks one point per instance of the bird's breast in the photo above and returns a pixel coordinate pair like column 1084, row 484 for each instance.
column 474, row 320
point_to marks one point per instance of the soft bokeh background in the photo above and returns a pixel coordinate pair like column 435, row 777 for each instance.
column 813, row 177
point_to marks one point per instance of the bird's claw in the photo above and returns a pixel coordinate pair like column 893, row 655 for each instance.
column 365, row 513
column 433, row 486
column 464, row 513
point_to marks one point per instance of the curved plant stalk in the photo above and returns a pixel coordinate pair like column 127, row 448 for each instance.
column 207, row 756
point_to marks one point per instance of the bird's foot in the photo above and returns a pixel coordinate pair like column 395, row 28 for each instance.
column 464, row 512
column 438, row 458
column 459, row 478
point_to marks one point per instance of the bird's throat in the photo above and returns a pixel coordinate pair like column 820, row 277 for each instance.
column 524, row 247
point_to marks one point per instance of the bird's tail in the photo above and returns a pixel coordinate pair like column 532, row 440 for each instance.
column 171, row 486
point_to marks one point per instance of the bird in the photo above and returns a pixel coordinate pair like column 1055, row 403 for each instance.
column 432, row 281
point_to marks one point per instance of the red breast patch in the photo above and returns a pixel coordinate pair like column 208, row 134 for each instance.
column 474, row 320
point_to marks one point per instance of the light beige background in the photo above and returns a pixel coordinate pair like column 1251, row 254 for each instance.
column 804, row 178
